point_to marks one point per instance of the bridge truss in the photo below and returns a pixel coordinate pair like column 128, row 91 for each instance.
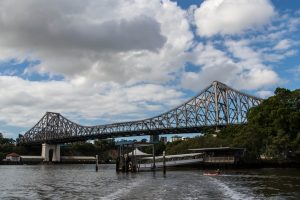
column 216, row 105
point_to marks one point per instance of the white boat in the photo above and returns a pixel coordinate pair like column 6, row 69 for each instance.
column 146, row 163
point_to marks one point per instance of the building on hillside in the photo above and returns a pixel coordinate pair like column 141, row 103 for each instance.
column 176, row 138
column 13, row 157
column 164, row 139
column 144, row 140
column 186, row 138
column 154, row 138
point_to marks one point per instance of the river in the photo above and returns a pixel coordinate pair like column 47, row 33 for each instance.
column 82, row 182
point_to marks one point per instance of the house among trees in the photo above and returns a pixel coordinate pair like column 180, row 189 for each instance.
column 164, row 139
column 176, row 138
column 13, row 157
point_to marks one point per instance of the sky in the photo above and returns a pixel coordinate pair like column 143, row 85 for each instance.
column 98, row 62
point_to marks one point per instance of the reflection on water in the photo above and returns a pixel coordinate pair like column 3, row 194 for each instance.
column 82, row 182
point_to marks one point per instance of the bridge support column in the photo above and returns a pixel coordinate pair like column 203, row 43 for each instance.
column 54, row 156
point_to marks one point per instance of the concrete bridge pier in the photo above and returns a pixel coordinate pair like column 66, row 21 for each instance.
column 51, row 152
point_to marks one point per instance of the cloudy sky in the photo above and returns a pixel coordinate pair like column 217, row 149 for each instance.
column 115, row 60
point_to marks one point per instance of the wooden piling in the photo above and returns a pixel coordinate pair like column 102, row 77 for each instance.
column 123, row 159
column 133, row 160
column 97, row 163
column 118, row 159
column 164, row 161
column 126, row 163
column 153, row 153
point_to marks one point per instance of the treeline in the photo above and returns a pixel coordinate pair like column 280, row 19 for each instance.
column 272, row 131
column 6, row 146
column 105, row 149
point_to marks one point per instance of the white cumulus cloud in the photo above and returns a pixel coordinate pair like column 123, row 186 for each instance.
column 265, row 93
column 237, row 64
column 120, row 41
column 283, row 44
column 26, row 101
column 231, row 16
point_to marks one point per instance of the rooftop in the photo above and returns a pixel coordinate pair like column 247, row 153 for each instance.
column 137, row 152
column 174, row 156
column 176, row 136
column 216, row 149
column 136, row 144
column 13, row 155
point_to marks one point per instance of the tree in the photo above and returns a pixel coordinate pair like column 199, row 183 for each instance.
column 277, row 120
column 4, row 140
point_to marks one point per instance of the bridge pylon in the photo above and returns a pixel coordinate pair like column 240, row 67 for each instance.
column 51, row 152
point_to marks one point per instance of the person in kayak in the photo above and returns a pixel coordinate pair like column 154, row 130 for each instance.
column 216, row 173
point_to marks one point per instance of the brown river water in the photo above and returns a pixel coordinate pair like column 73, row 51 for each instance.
column 82, row 182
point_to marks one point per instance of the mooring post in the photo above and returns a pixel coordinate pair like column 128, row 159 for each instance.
column 126, row 163
column 133, row 164
column 123, row 160
column 153, row 153
column 97, row 163
column 118, row 161
column 164, row 161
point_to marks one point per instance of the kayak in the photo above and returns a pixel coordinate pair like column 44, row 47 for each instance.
column 211, row 174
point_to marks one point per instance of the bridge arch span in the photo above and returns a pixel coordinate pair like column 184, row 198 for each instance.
column 216, row 105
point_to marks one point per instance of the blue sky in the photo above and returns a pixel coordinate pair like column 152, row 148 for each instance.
column 107, row 61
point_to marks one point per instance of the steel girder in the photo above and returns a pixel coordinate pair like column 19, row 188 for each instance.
column 216, row 105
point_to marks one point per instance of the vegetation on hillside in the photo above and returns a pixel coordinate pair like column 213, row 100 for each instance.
column 105, row 149
column 6, row 146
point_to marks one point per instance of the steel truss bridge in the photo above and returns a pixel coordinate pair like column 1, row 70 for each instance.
column 216, row 105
